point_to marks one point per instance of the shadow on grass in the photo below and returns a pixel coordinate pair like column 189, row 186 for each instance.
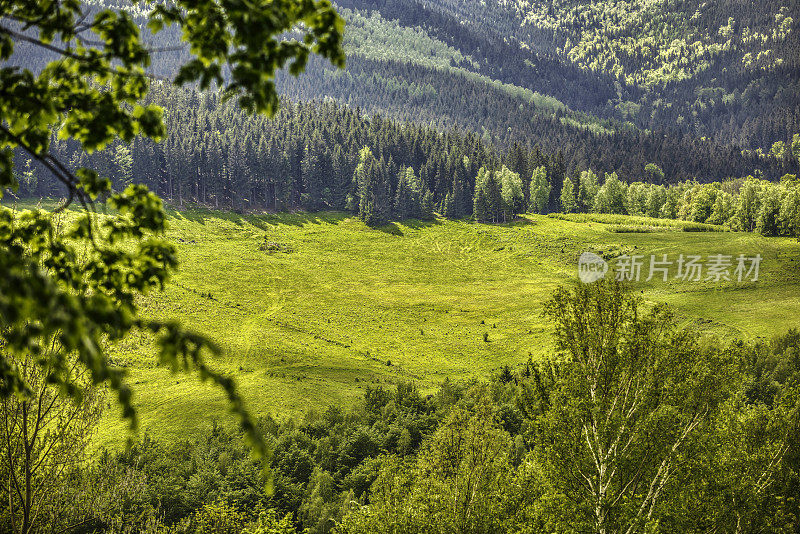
column 396, row 228
column 261, row 220
column 200, row 215
column 265, row 220
column 391, row 229
column 521, row 221
column 419, row 224
column 45, row 204
column 297, row 218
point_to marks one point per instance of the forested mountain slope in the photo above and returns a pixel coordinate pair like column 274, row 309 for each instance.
column 728, row 70
column 615, row 99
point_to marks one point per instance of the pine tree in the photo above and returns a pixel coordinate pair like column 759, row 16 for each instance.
column 312, row 181
column 426, row 205
column 341, row 178
column 557, row 173
column 123, row 165
column 481, row 206
column 374, row 193
column 458, row 198
column 407, row 197
column 360, row 178
column 491, row 199
column 587, row 190
column 448, row 209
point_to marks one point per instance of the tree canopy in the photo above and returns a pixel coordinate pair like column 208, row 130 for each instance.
column 74, row 287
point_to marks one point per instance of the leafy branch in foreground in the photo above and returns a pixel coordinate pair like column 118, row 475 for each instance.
column 78, row 286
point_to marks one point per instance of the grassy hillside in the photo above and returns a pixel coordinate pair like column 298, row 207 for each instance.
column 332, row 306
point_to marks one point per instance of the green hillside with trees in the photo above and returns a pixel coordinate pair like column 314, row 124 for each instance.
column 404, row 266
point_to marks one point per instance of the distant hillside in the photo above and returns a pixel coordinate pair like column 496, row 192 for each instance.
column 503, row 70
column 728, row 70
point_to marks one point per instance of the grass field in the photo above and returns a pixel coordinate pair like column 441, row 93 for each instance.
column 332, row 306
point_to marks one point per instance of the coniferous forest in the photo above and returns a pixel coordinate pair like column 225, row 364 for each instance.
column 399, row 266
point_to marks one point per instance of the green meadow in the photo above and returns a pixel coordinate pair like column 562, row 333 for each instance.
column 310, row 309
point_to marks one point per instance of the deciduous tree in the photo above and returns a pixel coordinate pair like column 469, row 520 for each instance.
column 540, row 190
column 90, row 94
column 625, row 397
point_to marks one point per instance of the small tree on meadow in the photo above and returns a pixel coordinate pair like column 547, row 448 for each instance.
column 569, row 203
column 540, row 190
column 749, row 204
column 723, row 209
column 790, row 213
column 703, row 201
column 611, row 196
column 671, row 206
column 768, row 221
column 511, row 191
column 636, row 199
column 656, row 198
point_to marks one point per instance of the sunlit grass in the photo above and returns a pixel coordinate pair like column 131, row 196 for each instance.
column 338, row 306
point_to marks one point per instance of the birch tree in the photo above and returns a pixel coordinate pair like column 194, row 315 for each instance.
column 626, row 396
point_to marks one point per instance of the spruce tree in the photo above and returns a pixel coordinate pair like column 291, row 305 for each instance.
column 481, row 206
column 489, row 190
column 426, row 205
column 587, row 190
column 448, row 209
column 375, row 202
column 407, row 197
column 458, row 198
column 123, row 165
column 340, row 177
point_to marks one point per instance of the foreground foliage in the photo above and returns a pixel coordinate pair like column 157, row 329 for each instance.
column 630, row 425
column 66, row 292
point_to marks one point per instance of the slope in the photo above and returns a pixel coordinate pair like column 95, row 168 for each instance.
column 332, row 306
